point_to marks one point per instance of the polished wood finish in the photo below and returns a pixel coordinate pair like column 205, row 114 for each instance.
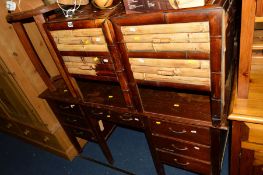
column 187, row 113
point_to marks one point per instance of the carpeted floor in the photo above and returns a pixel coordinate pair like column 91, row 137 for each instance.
column 129, row 149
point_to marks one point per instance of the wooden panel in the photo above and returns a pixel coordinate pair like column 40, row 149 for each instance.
column 41, row 49
column 252, row 146
column 21, row 68
column 255, row 133
column 246, row 40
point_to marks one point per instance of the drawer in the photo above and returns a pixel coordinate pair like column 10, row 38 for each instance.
column 185, row 132
column 49, row 140
column 73, row 120
column 84, row 134
column 184, row 71
column 67, row 108
column 255, row 133
column 89, row 39
column 96, row 66
column 193, row 150
column 195, row 165
column 180, row 37
column 124, row 118
column 30, row 133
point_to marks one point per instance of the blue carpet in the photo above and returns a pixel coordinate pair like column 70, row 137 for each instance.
column 129, row 149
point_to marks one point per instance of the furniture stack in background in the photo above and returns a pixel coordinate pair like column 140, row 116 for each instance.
column 23, row 114
column 247, row 115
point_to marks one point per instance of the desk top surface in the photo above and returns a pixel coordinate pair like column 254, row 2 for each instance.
column 251, row 109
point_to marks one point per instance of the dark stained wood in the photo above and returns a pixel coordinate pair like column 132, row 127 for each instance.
column 15, row 17
column 182, row 147
column 22, row 35
column 235, row 147
column 216, row 157
column 246, row 162
column 40, row 20
column 184, row 162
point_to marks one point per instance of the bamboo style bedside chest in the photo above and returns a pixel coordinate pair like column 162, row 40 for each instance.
column 166, row 73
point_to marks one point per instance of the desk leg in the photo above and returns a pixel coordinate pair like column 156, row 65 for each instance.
column 101, row 141
column 158, row 164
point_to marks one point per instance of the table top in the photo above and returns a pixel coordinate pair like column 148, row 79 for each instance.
column 251, row 109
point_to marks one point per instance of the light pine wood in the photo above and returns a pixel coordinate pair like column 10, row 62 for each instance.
column 252, row 146
column 246, row 41
column 258, row 158
column 255, row 133
column 192, row 27
column 24, row 5
column 41, row 49
column 23, row 72
column 250, row 110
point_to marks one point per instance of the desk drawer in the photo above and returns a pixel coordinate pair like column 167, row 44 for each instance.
column 73, row 120
column 67, row 108
column 96, row 66
column 185, row 132
column 193, row 150
column 124, row 118
column 186, row 163
column 84, row 134
column 9, row 126
column 255, row 133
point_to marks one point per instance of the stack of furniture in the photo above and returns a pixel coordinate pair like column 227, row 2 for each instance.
column 23, row 114
column 247, row 115
column 168, row 74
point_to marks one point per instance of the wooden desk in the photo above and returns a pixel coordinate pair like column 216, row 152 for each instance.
column 247, row 126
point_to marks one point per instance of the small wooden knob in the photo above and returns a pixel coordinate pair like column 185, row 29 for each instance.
column 26, row 132
column 46, row 139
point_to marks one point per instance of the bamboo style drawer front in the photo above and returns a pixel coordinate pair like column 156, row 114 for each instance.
column 184, row 162
column 100, row 66
column 84, row 134
column 185, row 132
column 183, row 71
column 185, row 37
column 91, row 39
column 181, row 147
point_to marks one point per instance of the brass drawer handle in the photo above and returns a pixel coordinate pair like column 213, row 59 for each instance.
column 26, row 132
column 126, row 117
column 177, row 132
column 181, row 149
column 96, row 113
column 167, row 149
column 67, row 106
column 9, row 125
column 46, row 139
column 180, row 163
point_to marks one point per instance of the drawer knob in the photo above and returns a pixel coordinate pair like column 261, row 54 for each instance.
column 9, row 125
column 197, row 148
column 110, row 96
column 176, row 105
column 181, row 163
column 158, row 123
column 105, row 60
column 46, row 139
column 65, row 90
column 108, row 116
column 181, row 149
column 126, row 117
column 72, row 106
column 26, row 132
column 193, row 131
column 177, row 132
